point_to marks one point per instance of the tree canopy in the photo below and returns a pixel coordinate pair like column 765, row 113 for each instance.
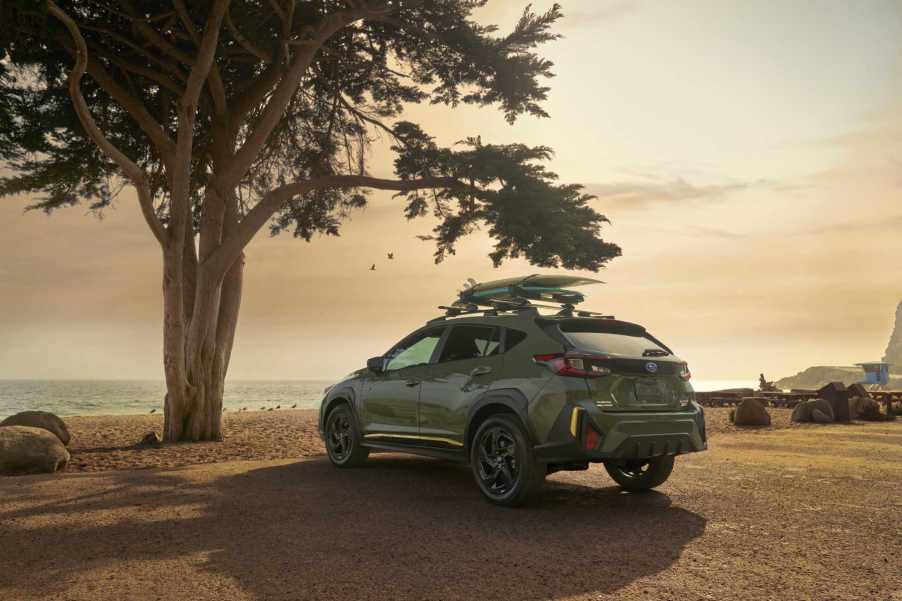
column 296, row 93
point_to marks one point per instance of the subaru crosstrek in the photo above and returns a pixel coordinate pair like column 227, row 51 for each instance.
column 518, row 394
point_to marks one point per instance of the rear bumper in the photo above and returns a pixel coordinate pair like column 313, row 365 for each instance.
column 622, row 435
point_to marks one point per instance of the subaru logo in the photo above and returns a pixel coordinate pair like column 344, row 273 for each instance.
column 651, row 367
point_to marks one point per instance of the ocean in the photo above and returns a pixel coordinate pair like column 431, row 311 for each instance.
column 131, row 397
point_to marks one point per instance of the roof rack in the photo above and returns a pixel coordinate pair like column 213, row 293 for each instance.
column 514, row 305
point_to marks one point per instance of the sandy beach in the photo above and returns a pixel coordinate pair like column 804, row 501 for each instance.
column 101, row 443
column 786, row 512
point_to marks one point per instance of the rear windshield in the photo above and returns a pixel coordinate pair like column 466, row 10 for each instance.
column 615, row 344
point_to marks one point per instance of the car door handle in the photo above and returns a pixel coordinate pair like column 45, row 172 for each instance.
column 481, row 370
column 412, row 381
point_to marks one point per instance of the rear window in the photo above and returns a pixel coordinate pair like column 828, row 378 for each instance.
column 513, row 338
column 471, row 342
column 615, row 344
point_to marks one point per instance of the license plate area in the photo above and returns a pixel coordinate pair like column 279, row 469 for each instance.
column 648, row 392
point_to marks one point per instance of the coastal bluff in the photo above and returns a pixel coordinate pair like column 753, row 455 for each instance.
column 893, row 354
column 820, row 375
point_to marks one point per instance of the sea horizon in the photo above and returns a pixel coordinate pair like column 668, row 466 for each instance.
column 78, row 397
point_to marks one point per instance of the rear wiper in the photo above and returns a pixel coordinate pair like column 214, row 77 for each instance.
column 654, row 352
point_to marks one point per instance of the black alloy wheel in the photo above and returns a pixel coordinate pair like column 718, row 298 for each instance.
column 343, row 440
column 641, row 474
column 502, row 462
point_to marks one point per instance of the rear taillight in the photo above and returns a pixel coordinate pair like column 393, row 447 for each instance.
column 685, row 374
column 592, row 439
column 577, row 366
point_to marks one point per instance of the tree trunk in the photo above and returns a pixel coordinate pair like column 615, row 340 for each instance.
column 198, row 349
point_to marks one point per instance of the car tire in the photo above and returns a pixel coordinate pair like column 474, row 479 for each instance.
column 642, row 474
column 343, row 440
column 503, row 463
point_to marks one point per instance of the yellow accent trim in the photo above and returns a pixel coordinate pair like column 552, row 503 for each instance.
column 415, row 437
column 574, row 420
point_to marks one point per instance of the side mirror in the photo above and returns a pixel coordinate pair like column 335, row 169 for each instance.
column 376, row 364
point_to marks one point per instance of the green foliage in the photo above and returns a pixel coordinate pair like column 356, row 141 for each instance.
column 356, row 88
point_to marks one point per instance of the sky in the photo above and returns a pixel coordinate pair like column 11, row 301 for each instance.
column 748, row 155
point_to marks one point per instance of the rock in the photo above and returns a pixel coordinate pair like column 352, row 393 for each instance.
column 865, row 408
column 30, row 450
column 819, row 417
column 837, row 394
column 804, row 411
column 40, row 419
column 150, row 440
column 857, row 389
column 751, row 412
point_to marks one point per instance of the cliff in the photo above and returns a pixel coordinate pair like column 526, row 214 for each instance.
column 894, row 348
column 821, row 375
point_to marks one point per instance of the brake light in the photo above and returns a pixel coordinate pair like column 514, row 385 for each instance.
column 685, row 374
column 592, row 439
column 577, row 366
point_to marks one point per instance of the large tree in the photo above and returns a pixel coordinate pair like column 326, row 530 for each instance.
column 225, row 116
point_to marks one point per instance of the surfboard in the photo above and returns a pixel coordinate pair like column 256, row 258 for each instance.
column 550, row 288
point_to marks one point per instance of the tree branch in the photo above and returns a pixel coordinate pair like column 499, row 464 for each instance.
column 245, row 43
column 200, row 70
column 357, row 113
column 232, row 247
column 217, row 88
column 203, row 62
column 283, row 93
column 128, row 167
column 134, row 106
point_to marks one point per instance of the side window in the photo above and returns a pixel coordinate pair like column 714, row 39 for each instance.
column 512, row 338
column 416, row 350
column 471, row 342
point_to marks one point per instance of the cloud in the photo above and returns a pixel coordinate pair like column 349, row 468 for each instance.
column 880, row 223
column 611, row 10
column 645, row 194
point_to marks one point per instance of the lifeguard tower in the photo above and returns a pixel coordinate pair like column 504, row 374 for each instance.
column 876, row 374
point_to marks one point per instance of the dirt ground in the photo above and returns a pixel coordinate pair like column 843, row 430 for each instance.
column 108, row 443
column 101, row 443
column 800, row 513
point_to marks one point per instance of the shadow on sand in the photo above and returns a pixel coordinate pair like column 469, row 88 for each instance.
column 399, row 528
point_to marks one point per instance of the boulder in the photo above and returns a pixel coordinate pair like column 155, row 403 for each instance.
column 804, row 411
column 838, row 396
column 40, row 419
column 820, row 417
column 30, row 450
column 857, row 390
column 151, row 439
column 751, row 412
column 865, row 408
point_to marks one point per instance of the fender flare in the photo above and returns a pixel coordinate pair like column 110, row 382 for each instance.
column 511, row 398
column 347, row 395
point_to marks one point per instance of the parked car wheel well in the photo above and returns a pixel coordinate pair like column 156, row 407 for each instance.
column 484, row 413
column 333, row 405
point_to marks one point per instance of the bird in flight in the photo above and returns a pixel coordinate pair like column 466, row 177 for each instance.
column 373, row 268
column 391, row 256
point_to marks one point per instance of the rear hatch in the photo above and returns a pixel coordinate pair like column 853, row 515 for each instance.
column 644, row 374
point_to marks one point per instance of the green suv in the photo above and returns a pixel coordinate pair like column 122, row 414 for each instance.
column 518, row 394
